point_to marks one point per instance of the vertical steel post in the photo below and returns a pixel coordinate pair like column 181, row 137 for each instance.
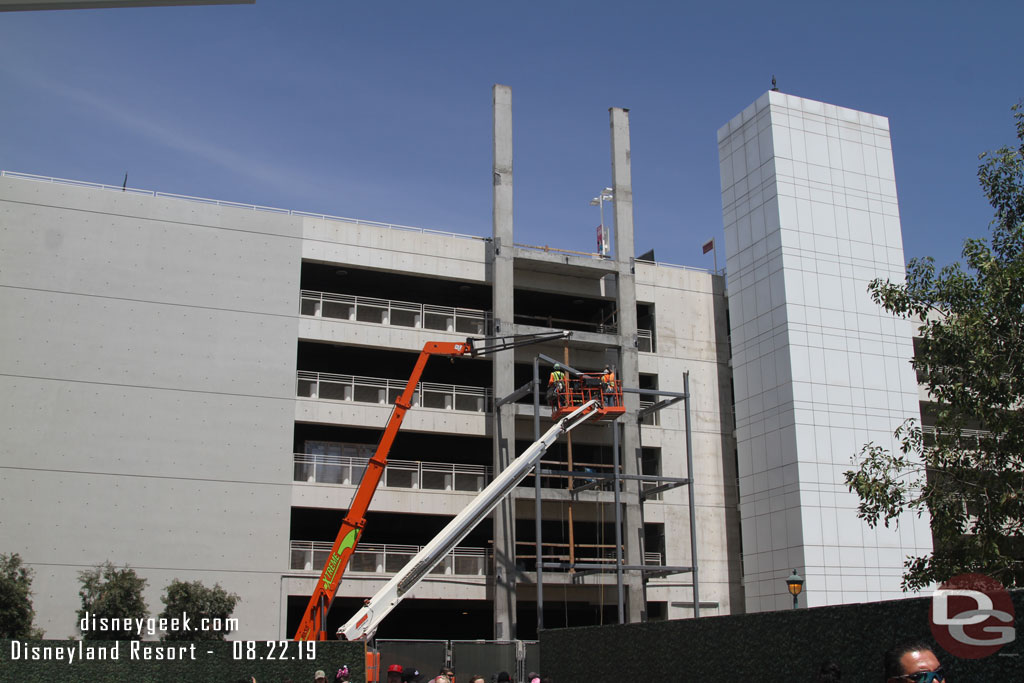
column 536, row 495
column 693, row 511
column 618, row 524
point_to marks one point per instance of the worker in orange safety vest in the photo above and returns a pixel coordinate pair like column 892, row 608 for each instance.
column 608, row 394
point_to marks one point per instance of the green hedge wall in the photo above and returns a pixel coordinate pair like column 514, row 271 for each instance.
column 787, row 646
column 218, row 662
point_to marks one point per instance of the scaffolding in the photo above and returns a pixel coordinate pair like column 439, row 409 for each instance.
column 595, row 480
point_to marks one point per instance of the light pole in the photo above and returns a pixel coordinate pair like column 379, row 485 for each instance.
column 795, row 584
column 606, row 195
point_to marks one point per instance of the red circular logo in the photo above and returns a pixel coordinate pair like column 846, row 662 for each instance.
column 972, row 616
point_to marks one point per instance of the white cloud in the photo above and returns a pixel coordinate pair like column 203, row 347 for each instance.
column 132, row 117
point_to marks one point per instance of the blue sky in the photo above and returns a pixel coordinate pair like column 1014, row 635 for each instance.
column 382, row 110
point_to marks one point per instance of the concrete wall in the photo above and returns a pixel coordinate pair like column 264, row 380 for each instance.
column 690, row 336
column 147, row 362
column 368, row 246
column 811, row 216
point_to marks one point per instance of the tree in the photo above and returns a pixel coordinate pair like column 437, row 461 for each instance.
column 16, row 611
column 208, row 610
column 113, row 596
column 968, row 472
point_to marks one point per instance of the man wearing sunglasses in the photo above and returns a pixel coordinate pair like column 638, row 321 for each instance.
column 913, row 663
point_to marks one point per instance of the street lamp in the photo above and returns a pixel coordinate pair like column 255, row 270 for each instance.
column 607, row 194
column 795, row 583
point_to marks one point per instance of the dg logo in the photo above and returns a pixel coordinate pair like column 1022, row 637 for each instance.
column 972, row 616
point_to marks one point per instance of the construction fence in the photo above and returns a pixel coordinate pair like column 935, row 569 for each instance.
column 787, row 646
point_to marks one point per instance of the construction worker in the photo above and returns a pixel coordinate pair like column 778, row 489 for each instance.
column 608, row 393
column 556, row 386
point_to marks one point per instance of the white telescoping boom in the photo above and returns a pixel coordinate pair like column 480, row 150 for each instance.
column 366, row 620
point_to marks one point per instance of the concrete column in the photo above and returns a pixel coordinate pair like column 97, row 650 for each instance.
column 503, row 363
column 629, row 371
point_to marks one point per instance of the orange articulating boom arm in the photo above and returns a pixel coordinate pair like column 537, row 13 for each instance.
column 314, row 620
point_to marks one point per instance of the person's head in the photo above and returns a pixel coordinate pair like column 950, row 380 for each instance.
column 320, row 677
column 477, row 678
column 829, row 672
column 533, row 677
column 395, row 673
column 441, row 678
column 447, row 672
column 912, row 662
column 607, row 368
column 557, row 367
column 503, row 677
column 343, row 674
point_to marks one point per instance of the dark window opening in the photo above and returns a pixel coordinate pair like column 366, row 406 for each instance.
column 398, row 365
column 586, row 458
column 389, row 540
column 345, row 279
column 646, row 329
column 657, row 611
column 654, row 543
column 565, row 312
column 593, row 542
column 411, row 619
column 650, row 464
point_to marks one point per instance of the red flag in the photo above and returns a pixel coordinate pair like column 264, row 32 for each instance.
column 709, row 245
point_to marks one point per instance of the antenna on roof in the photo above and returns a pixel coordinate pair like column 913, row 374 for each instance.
column 775, row 88
column 124, row 185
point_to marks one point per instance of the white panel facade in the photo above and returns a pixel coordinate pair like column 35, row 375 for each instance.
column 811, row 217
column 147, row 362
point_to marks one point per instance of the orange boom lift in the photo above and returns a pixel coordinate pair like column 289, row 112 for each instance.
column 589, row 386
column 314, row 620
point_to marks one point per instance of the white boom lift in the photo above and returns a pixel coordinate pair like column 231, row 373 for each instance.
column 366, row 620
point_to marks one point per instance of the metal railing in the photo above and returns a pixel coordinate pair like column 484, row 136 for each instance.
column 372, row 558
column 398, row 313
column 236, row 205
column 561, row 481
column 674, row 265
column 645, row 340
column 930, row 434
column 403, row 474
column 332, row 387
column 651, row 419
column 973, row 433
column 596, row 553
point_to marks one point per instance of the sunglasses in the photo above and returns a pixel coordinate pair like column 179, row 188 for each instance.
column 925, row 676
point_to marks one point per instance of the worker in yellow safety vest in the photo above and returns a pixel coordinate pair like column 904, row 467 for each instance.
column 556, row 386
